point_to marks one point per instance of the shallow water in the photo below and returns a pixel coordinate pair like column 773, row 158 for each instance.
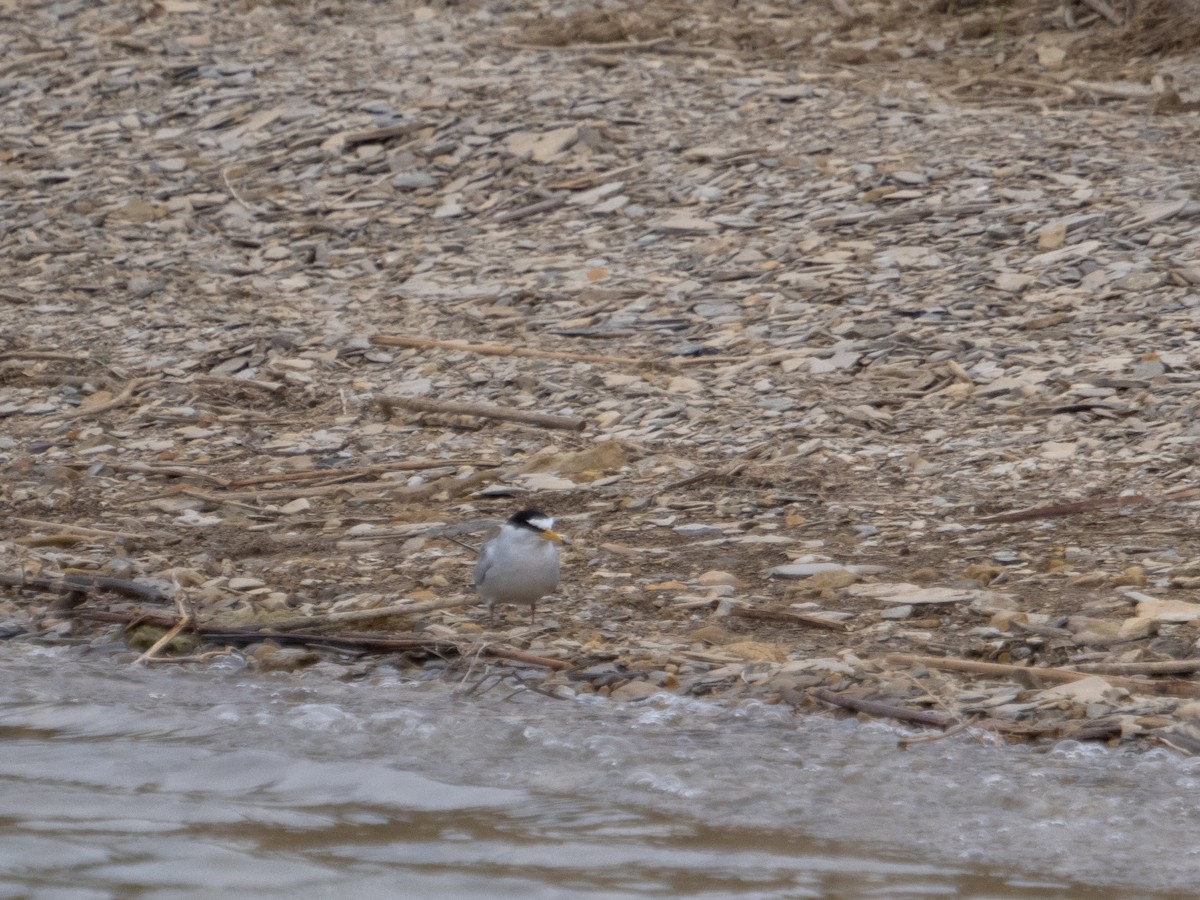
column 166, row 782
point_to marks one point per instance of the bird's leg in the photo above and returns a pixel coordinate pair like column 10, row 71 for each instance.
column 491, row 615
column 532, row 611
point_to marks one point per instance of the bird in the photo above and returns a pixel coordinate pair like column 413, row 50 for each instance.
column 520, row 564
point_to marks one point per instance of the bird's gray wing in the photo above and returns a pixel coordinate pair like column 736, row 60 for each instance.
column 487, row 556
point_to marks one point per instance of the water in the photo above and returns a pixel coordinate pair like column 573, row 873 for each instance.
column 164, row 782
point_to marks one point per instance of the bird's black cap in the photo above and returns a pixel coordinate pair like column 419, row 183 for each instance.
column 533, row 519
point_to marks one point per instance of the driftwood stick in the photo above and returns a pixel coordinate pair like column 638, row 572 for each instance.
column 60, row 539
column 455, row 485
column 368, row 643
column 1105, row 10
column 522, row 656
column 78, row 529
column 271, row 387
column 42, row 354
column 398, row 466
column 185, row 619
column 1058, row 676
column 399, row 340
column 120, row 399
column 235, row 497
column 1162, row 667
column 376, row 135
column 1059, row 510
column 749, row 360
column 774, row 615
column 233, row 192
column 374, row 644
column 452, row 486
column 505, row 414
column 533, row 209
column 369, row 615
column 226, row 499
column 172, row 471
column 614, row 46
column 257, row 633
column 884, row 710
column 73, row 584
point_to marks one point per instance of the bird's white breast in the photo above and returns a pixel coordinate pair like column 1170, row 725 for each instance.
column 518, row 566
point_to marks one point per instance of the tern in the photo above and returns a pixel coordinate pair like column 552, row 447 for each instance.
column 520, row 564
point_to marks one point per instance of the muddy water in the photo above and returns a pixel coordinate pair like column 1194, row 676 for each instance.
column 123, row 782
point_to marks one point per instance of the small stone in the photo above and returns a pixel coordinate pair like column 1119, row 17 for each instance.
column 897, row 612
column 544, row 146
column 666, row 586
column 1051, row 57
column 607, row 456
column 1087, row 690
column 450, row 208
column 825, row 583
column 698, row 530
column 411, row 181
column 1052, row 236
column 635, row 690
column 681, row 384
column 274, row 601
column 1137, row 628
column 711, row 634
column 544, row 481
column 756, row 651
column 1169, row 610
column 1011, row 282
column 835, row 363
column 715, row 577
column 246, row 584
column 682, row 223
column 269, row 658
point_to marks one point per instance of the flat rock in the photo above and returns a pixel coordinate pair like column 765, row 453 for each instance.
column 1169, row 610
column 684, row 223
column 635, row 690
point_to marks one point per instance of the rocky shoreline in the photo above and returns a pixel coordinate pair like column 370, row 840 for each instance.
column 858, row 364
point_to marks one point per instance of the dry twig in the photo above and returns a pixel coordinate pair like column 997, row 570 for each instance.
column 398, row 340
column 774, row 615
column 1059, row 510
column 533, row 209
column 1054, row 675
column 1161, row 667
column 370, row 615
column 86, row 531
column 885, row 710
column 120, row 399
column 1105, row 10
column 504, row 414
column 185, row 619
column 77, row 584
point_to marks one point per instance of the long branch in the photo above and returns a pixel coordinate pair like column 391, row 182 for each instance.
column 399, row 340
column 885, row 710
column 1058, row 676
column 503, row 413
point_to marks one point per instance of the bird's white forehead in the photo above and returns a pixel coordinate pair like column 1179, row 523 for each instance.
column 544, row 523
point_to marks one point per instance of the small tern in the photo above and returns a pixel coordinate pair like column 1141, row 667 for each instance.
column 520, row 564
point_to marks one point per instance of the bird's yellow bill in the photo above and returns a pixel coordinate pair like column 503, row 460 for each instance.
column 551, row 535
